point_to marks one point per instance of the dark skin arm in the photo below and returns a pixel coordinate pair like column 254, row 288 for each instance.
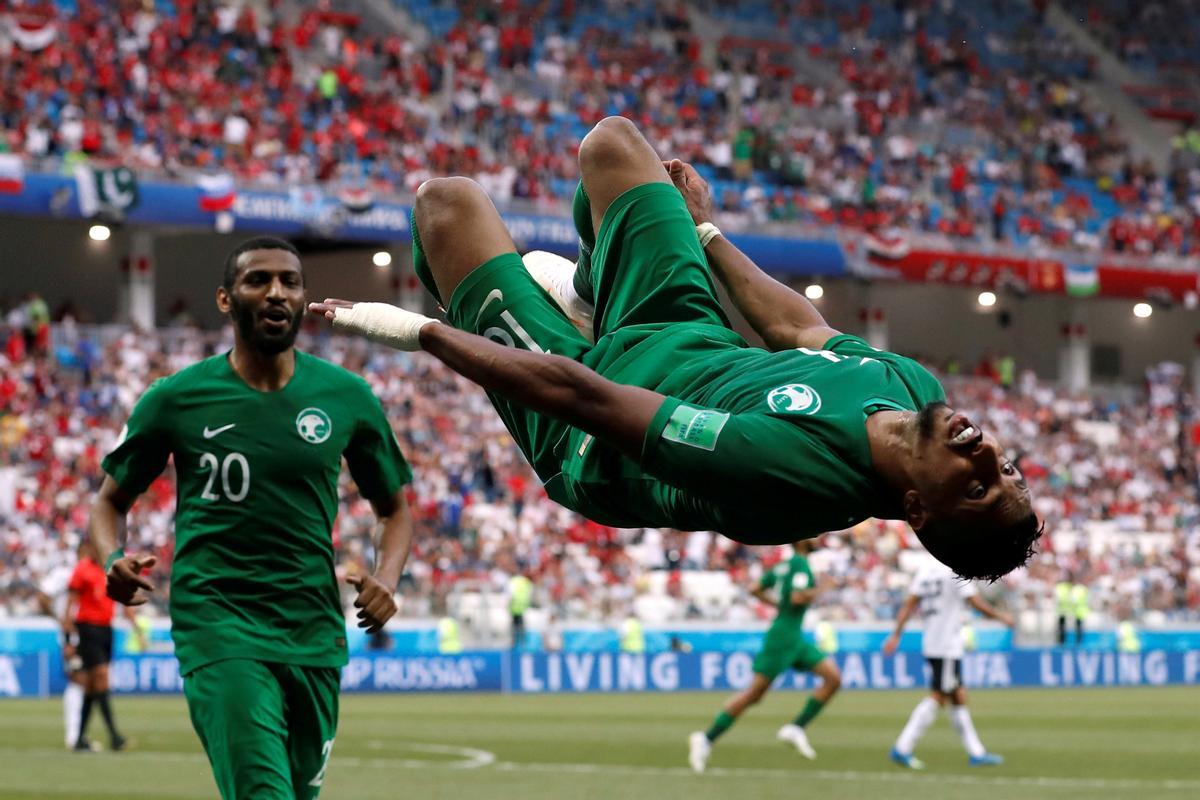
column 906, row 612
column 783, row 318
column 106, row 529
column 376, row 593
column 800, row 597
column 988, row 610
column 616, row 414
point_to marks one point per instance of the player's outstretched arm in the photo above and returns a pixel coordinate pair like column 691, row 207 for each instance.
column 106, row 529
column 990, row 611
column 785, row 319
column 614, row 413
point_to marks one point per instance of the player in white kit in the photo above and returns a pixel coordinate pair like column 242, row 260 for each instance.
column 940, row 595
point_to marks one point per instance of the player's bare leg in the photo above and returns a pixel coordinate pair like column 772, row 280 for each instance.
column 794, row 732
column 614, row 157
column 459, row 228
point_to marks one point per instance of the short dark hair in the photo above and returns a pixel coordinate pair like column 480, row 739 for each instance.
column 973, row 550
column 257, row 243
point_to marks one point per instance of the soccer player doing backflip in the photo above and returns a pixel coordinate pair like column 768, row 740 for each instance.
column 665, row 416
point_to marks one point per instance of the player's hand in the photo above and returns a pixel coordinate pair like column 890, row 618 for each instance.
column 70, row 659
column 375, row 602
column 1006, row 619
column 890, row 644
column 694, row 189
column 125, row 578
column 328, row 308
column 379, row 322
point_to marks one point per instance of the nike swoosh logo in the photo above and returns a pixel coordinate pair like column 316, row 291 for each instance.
column 494, row 294
column 208, row 434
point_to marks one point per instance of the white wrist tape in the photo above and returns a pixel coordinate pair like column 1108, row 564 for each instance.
column 707, row 232
column 383, row 323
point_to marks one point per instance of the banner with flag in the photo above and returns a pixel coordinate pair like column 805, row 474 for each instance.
column 357, row 199
column 32, row 33
column 12, row 174
column 112, row 191
column 1082, row 280
column 217, row 192
column 889, row 244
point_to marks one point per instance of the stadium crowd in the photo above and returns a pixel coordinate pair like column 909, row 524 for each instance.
column 958, row 118
column 1114, row 481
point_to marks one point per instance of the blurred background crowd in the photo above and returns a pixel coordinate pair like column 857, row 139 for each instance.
column 962, row 118
column 1114, row 479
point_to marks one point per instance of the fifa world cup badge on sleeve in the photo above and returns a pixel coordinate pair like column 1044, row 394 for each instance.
column 695, row 427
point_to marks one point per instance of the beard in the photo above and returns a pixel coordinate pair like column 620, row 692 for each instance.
column 258, row 339
column 927, row 419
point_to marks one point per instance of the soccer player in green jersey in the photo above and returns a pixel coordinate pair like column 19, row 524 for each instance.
column 669, row 418
column 257, row 436
column 790, row 587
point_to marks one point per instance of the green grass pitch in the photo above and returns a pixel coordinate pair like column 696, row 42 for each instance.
column 1083, row 743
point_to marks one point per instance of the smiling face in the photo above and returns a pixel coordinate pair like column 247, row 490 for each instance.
column 265, row 300
column 961, row 474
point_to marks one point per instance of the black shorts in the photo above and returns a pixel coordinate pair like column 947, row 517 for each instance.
column 946, row 674
column 95, row 644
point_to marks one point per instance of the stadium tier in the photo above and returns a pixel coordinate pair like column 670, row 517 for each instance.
column 958, row 120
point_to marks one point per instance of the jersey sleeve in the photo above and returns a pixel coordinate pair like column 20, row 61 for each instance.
column 144, row 446
column 373, row 455
column 921, row 383
column 810, row 580
column 740, row 458
column 767, row 580
column 78, row 582
column 966, row 589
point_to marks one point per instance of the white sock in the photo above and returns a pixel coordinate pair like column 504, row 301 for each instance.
column 72, row 707
column 960, row 718
column 561, row 273
column 918, row 722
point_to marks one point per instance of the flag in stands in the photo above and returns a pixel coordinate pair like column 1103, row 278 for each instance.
column 357, row 199
column 32, row 33
column 890, row 244
column 1083, row 280
column 12, row 174
column 217, row 192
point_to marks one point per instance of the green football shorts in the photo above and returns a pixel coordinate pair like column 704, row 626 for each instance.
column 649, row 273
column 267, row 728
column 777, row 656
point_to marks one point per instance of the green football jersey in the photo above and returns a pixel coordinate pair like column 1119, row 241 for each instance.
column 788, row 576
column 765, row 447
column 256, row 496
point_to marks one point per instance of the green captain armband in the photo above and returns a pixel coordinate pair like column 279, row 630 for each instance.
column 118, row 553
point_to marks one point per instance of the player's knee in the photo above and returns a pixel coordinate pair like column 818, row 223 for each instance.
column 440, row 194
column 443, row 205
column 613, row 141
